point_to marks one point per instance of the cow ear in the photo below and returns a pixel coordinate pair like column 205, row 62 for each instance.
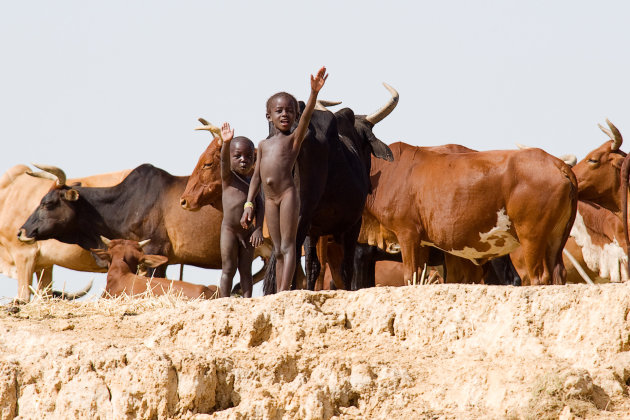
column 75, row 184
column 102, row 257
column 71, row 195
column 153, row 260
column 381, row 150
column 301, row 106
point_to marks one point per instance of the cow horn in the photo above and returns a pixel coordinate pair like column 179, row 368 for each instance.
column 570, row 160
column 60, row 175
column 106, row 241
column 617, row 139
column 75, row 295
column 385, row 110
column 522, row 146
column 209, row 127
column 141, row 244
column 322, row 104
column 613, row 134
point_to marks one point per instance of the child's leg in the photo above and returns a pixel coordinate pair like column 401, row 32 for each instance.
column 229, row 260
column 289, row 212
column 245, row 258
column 272, row 215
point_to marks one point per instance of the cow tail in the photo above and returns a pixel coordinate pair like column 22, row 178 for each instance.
column 559, row 272
column 625, row 171
column 269, row 283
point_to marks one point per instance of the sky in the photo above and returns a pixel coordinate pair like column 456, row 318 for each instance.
column 95, row 87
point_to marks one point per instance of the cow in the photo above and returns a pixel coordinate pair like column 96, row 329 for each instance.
column 377, row 243
column 492, row 203
column 603, row 177
column 144, row 205
column 124, row 257
column 19, row 195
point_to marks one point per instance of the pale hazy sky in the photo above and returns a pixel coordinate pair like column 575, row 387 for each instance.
column 95, row 87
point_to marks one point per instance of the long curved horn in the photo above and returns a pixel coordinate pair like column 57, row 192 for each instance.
column 613, row 133
column 106, row 241
column 209, row 127
column 141, row 244
column 387, row 109
column 617, row 139
column 75, row 295
column 59, row 174
column 322, row 104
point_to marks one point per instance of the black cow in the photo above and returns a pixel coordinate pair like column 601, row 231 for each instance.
column 143, row 206
column 332, row 177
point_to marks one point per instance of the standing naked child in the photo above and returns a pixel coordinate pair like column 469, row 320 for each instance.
column 237, row 242
column 274, row 166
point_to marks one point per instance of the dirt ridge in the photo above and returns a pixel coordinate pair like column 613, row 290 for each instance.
column 442, row 351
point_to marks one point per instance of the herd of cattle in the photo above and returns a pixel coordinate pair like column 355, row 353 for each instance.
column 504, row 217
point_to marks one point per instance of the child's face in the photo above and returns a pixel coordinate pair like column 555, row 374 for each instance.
column 282, row 113
column 241, row 158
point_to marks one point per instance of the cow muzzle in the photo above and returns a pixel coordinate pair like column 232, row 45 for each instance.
column 187, row 206
column 23, row 238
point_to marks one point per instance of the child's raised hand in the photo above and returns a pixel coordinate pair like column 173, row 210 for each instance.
column 317, row 82
column 226, row 132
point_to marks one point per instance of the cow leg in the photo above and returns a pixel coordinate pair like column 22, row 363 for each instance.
column 349, row 245
column 364, row 263
column 461, row 270
column 538, row 269
column 25, row 268
column 44, row 281
column 322, row 254
column 414, row 256
column 313, row 266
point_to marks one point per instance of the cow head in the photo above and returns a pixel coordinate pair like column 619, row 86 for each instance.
column 128, row 252
column 204, row 185
column 359, row 128
column 56, row 213
column 598, row 174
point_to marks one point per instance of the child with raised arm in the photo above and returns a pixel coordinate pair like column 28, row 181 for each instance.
column 237, row 242
column 274, row 166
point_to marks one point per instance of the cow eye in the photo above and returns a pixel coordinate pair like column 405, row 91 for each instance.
column 207, row 165
column 593, row 161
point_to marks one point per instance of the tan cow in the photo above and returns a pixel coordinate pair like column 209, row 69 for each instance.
column 124, row 256
column 19, row 195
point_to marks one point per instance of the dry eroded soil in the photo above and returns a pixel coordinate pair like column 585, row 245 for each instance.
column 442, row 351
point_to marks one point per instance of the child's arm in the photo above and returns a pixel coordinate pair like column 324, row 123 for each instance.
column 257, row 237
column 227, row 135
column 317, row 83
column 254, row 186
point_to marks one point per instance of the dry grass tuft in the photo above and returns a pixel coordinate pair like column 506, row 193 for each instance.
column 42, row 306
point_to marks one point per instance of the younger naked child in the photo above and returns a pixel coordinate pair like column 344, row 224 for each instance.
column 274, row 166
column 237, row 242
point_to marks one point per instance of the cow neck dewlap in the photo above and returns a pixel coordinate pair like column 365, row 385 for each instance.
column 610, row 261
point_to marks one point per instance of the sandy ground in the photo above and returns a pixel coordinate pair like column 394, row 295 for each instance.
column 424, row 352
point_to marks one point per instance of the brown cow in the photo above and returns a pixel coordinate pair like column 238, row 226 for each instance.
column 19, row 195
column 123, row 257
column 477, row 206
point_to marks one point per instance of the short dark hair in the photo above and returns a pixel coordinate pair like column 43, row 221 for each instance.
column 285, row 95
column 242, row 139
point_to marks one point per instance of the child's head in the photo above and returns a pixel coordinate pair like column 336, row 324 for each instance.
column 282, row 111
column 242, row 155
